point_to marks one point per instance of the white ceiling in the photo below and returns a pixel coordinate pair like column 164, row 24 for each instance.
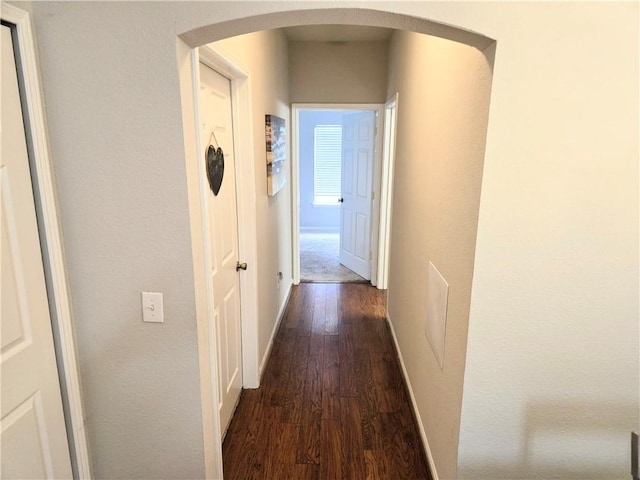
column 336, row 33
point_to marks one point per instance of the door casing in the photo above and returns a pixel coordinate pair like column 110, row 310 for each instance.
column 376, row 207
column 386, row 188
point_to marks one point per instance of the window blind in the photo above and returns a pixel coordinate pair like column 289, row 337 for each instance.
column 327, row 164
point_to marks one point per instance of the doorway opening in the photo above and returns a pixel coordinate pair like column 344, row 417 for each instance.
column 336, row 181
column 262, row 321
column 325, row 138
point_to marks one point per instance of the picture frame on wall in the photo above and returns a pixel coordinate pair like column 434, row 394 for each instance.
column 276, row 139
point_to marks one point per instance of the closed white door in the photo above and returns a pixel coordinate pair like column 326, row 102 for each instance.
column 358, row 154
column 33, row 442
column 217, row 129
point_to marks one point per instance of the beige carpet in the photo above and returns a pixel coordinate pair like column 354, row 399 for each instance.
column 320, row 260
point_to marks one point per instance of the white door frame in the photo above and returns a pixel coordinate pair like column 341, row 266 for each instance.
column 198, row 187
column 224, row 64
column 386, row 188
column 376, row 207
column 50, row 239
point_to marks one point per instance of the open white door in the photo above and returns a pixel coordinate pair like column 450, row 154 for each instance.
column 358, row 155
column 216, row 128
column 34, row 439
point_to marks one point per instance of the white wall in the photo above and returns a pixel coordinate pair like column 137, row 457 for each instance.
column 551, row 385
column 345, row 72
column 141, row 382
column 554, row 306
column 314, row 217
column 119, row 169
column 443, row 89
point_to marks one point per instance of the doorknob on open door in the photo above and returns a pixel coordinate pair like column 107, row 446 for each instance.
column 241, row 266
column 340, row 200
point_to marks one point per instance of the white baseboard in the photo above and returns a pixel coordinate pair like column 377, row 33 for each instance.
column 267, row 352
column 423, row 434
column 319, row 229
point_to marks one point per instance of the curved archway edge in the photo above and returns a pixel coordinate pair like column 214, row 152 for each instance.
column 213, row 32
column 336, row 16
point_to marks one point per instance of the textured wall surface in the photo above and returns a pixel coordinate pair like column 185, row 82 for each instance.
column 551, row 381
column 443, row 89
column 341, row 72
column 119, row 168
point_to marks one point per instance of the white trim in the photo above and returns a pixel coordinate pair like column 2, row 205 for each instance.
column 295, row 195
column 377, row 206
column 46, row 206
column 313, row 229
column 207, row 345
column 189, row 74
column 423, row 434
column 386, row 189
column 283, row 307
column 295, row 177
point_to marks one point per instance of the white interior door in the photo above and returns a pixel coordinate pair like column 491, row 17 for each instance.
column 33, row 439
column 216, row 123
column 358, row 154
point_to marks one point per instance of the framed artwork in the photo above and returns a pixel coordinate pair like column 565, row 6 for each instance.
column 276, row 137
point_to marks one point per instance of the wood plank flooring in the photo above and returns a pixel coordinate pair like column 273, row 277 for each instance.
column 332, row 404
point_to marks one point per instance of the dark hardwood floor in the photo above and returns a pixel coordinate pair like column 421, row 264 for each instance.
column 332, row 404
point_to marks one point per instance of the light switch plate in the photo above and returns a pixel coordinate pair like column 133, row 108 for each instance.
column 152, row 308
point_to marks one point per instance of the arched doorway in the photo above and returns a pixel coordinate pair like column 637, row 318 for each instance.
column 186, row 58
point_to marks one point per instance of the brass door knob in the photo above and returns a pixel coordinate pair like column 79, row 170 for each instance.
column 241, row 266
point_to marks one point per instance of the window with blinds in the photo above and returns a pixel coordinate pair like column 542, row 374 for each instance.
column 327, row 164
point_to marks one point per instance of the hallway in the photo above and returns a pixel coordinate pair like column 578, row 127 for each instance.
column 332, row 402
